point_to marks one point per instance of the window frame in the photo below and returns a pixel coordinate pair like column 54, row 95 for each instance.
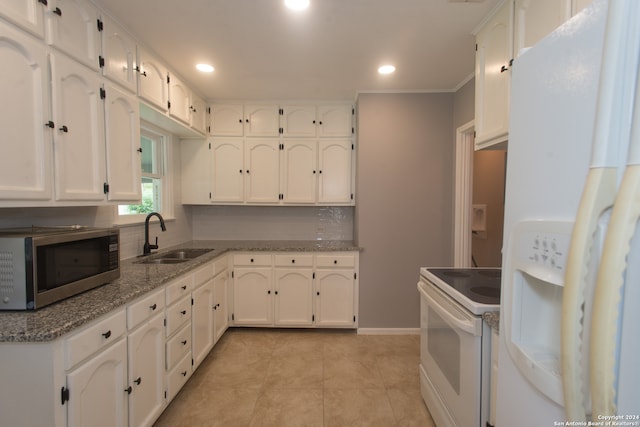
column 165, row 155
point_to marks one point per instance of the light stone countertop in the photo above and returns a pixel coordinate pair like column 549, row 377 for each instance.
column 53, row 321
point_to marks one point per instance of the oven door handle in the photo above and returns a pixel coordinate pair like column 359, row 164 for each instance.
column 451, row 314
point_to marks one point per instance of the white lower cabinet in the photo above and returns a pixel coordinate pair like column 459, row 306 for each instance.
column 146, row 372
column 300, row 290
column 202, row 320
column 220, row 300
column 97, row 395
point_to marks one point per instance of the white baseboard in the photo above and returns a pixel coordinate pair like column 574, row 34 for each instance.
column 388, row 331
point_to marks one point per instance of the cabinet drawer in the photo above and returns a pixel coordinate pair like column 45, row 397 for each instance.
column 336, row 260
column 178, row 376
column 201, row 275
column 178, row 314
column 294, row 260
column 149, row 305
column 178, row 346
column 179, row 288
column 252, row 259
column 97, row 336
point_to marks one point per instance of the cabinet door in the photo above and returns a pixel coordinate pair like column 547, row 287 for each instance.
column 97, row 390
column 179, row 100
column 299, row 121
column 227, row 173
column 293, row 297
column 202, row 319
column 534, row 19
column 494, row 47
column 335, row 120
column 220, row 306
column 261, row 120
column 227, row 120
column 72, row 26
column 25, row 152
column 334, row 171
column 252, row 294
column 262, row 170
column 79, row 142
column 146, row 372
column 122, row 117
column 199, row 115
column 334, row 300
column 28, row 14
column 152, row 81
column 195, row 157
column 119, row 52
column 299, row 171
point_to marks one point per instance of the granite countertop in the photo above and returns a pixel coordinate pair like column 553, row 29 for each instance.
column 53, row 321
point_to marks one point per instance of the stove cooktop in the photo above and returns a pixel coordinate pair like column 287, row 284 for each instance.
column 478, row 289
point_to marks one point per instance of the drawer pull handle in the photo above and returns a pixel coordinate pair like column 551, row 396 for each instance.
column 184, row 342
column 183, row 312
column 107, row 334
column 128, row 390
column 138, row 380
column 153, row 307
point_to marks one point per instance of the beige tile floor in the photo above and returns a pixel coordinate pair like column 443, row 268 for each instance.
column 267, row 377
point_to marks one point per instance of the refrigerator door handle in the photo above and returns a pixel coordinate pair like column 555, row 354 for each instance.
column 597, row 197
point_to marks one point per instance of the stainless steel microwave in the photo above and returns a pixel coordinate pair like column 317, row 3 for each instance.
column 42, row 265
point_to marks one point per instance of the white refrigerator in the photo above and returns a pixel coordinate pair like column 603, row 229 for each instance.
column 569, row 348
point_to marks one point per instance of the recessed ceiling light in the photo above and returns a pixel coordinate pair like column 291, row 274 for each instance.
column 297, row 4
column 205, row 68
column 386, row 69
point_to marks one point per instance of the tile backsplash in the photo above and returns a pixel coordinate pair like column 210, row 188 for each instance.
column 272, row 222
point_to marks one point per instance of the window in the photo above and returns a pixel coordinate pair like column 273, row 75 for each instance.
column 154, row 183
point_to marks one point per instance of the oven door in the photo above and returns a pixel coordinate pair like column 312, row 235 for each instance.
column 451, row 358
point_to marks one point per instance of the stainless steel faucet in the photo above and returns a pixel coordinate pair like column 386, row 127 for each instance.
column 146, row 250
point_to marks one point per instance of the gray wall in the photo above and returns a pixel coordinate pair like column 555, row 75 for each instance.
column 404, row 201
column 463, row 104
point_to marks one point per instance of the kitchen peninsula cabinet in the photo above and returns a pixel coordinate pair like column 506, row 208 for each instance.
column 73, row 27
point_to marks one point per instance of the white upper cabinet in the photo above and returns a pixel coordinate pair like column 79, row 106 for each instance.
column 493, row 54
column 335, row 120
column 227, row 120
column 534, row 19
column 227, row 171
column 299, row 171
column 28, row 14
column 299, row 121
column 199, row 114
column 261, row 120
column 122, row 124
column 152, row 81
column 72, row 26
column 179, row 100
column 334, row 172
column 79, row 138
column 262, row 170
column 119, row 52
column 25, row 151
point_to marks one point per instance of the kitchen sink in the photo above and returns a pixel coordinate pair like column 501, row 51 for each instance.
column 176, row 256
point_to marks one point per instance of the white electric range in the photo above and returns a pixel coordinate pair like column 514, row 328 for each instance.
column 455, row 343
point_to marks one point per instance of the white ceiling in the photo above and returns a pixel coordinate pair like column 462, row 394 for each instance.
column 261, row 50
